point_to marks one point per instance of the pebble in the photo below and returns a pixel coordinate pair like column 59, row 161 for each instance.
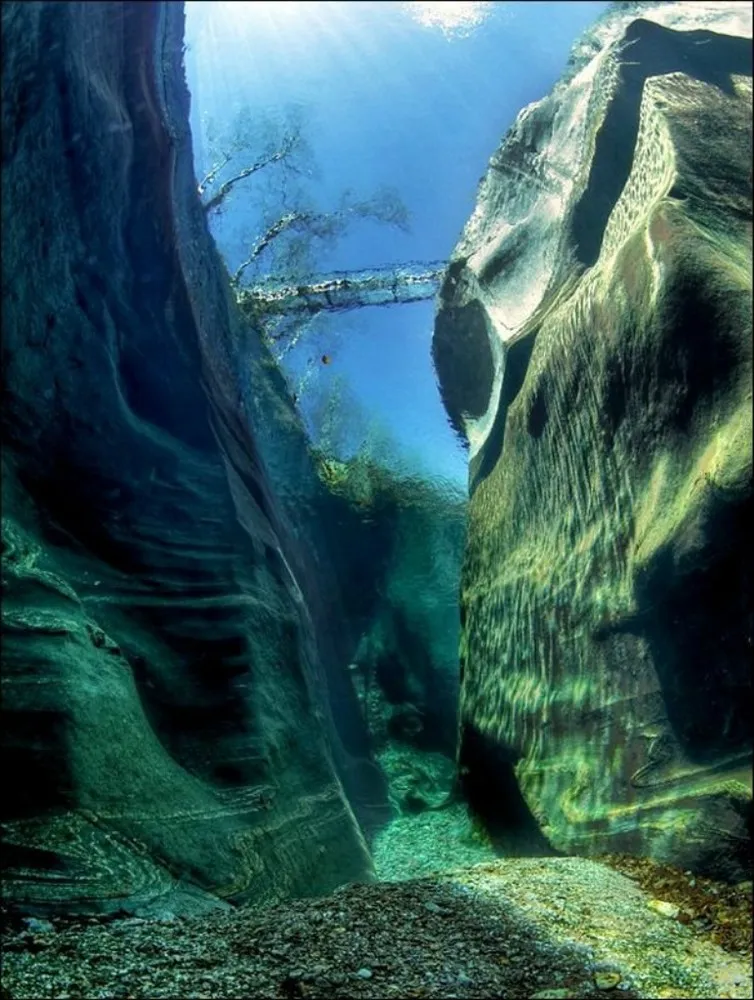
column 606, row 980
column 432, row 907
column 316, row 940
column 664, row 908
column 38, row 926
column 554, row 994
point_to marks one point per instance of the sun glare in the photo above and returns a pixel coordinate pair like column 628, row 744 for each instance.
column 455, row 18
column 452, row 18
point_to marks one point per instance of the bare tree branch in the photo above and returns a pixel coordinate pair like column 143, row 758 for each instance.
column 385, row 207
column 287, row 147
column 275, row 230
column 210, row 177
column 286, row 294
column 290, row 334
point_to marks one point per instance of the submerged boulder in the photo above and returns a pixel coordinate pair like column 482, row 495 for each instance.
column 593, row 344
column 166, row 669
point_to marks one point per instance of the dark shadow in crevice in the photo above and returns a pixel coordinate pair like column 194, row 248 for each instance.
column 698, row 622
column 488, row 783
column 652, row 50
column 463, row 360
column 517, row 358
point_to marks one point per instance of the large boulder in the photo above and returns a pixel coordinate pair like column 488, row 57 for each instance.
column 168, row 666
column 593, row 343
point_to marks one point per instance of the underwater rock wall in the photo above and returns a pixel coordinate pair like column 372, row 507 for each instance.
column 165, row 683
column 405, row 666
column 389, row 550
column 593, row 343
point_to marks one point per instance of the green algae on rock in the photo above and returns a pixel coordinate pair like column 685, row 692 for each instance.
column 606, row 594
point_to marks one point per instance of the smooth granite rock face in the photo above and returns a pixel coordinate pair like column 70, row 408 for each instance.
column 167, row 674
column 606, row 596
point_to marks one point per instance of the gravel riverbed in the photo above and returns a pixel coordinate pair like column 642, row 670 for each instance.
column 518, row 928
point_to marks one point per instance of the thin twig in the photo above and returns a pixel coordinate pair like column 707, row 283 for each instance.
column 227, row 186
column 204, row 184
column 275, row 230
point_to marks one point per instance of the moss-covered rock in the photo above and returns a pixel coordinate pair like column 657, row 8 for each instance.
column 606, row 591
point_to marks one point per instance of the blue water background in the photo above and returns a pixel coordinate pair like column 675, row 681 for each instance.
column 387, row 101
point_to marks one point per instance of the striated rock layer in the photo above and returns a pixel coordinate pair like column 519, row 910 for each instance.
column 167, row 666
column 593, row 344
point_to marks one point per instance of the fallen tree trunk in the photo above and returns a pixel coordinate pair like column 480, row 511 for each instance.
column 344, row 290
